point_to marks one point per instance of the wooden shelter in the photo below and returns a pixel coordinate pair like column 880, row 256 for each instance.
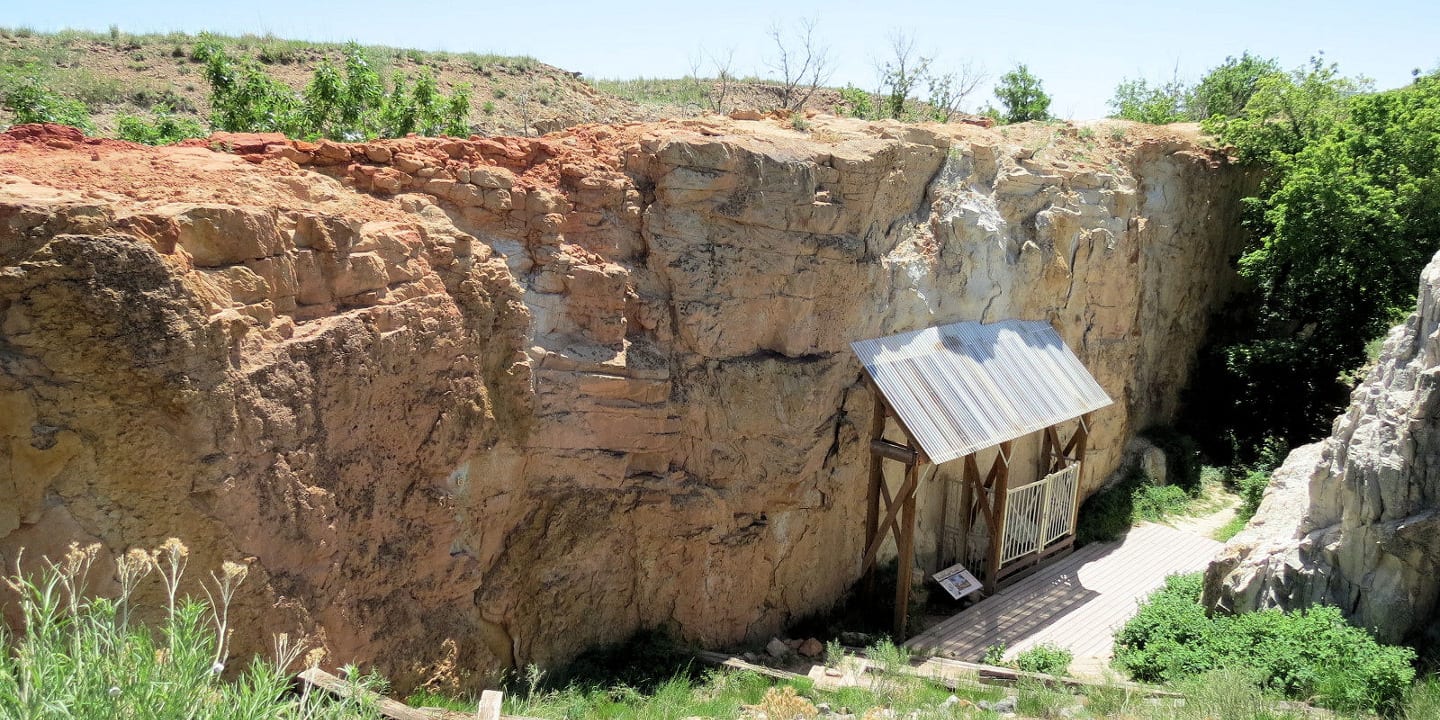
column 955, row 391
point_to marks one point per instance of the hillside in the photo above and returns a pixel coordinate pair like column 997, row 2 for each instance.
column 120, row 73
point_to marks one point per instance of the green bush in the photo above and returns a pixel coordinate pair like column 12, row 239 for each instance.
column 350, row 105
column 162, row 128
column 857, row 102
column 1048, row 659
column 29, row 101
column 1157, row 502
column 1309, row 655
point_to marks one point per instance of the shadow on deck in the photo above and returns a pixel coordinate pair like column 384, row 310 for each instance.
column 1076, row 602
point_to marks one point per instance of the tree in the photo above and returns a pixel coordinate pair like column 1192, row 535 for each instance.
column 1160, row 104
column 802, row 66
column 949, row 91
column 900, row 74
column 1022, row 95
column 905, row 71
column 1346, row 219
column 1227, row 88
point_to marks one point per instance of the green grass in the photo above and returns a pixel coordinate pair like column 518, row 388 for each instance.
column 658, row 91
column 84, row 658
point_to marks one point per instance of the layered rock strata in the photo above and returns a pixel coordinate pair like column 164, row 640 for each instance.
column 479, row 403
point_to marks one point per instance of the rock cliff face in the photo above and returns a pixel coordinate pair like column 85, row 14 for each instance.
column 496, row 400
column 1352, row 520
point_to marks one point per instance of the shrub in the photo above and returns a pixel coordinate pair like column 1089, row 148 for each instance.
column 1048, row 659
column 29, row 101
column 857, row 102
column 349, row 105
column 1311, row 654
column 161, row 128
column 1157, row 502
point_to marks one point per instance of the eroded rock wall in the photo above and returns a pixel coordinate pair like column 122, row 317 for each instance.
column 1352, row 520
column 502, row 399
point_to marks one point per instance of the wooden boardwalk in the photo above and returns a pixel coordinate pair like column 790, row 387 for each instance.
column 1076, row 602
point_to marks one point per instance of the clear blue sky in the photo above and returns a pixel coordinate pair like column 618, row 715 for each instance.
column 1080, row 49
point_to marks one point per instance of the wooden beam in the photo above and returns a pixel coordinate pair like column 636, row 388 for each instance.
column 906, row 542
column 392, row 709
column 877, row 481
column 894, row 451
column 907, row 491
column 729, row 661
column 1081, row 442
column 967, row 506
column 1000, row 471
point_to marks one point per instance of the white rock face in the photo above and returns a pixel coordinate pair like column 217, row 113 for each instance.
column 1352, row 520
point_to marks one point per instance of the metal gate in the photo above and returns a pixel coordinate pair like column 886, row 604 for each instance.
column 1039, row 514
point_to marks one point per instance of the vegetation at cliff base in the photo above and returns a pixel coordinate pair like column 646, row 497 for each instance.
column 1307, row 655
column 80, row 657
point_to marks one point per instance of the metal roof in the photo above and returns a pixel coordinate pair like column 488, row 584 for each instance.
column 967, row 386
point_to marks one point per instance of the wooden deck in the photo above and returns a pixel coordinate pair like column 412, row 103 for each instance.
column 1076, row 602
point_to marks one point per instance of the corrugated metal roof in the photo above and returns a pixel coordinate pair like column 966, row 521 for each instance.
column 967, row 386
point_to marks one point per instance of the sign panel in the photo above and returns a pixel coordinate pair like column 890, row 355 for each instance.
column 957, row 581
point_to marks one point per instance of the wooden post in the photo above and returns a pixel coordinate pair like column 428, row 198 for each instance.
column 906, row 541
column 1046, row 462
column 967, row 507
column 1081, row 442
column 1001, row 490
column 877, row 478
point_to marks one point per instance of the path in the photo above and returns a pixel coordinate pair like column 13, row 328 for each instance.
column 1076, row 602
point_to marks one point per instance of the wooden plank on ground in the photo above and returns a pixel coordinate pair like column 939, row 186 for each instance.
column 396, row 710
column 392, row 709
column 730, row 661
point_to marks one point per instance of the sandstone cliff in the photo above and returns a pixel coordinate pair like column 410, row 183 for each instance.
column 501, row 399
column 1352, row 520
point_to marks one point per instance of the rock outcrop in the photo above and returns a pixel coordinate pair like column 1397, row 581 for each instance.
column 486, row 402
column 1354, row 520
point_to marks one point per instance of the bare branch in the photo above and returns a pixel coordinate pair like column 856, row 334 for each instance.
column 801, row 63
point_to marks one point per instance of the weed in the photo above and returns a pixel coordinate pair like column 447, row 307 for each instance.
column 86, row 658
column 1086, row 133
column 1037, row 700
column 1047, row 659
column 161, row 128
column 488, row 108
column 800, row 123
column 995, row 655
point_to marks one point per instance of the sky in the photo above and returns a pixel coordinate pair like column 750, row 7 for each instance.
column 1079, row 49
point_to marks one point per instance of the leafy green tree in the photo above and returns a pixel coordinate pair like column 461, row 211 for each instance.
column 1023, row 96
column 1347, row 218
column 1286, row 113
column 1227, row 88
column 1138, row 100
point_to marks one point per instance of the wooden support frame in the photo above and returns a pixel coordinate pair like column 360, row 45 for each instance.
column 898, row 511
column 888, row 514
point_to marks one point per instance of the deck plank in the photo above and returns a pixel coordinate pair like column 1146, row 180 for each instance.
column 1076, row 602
